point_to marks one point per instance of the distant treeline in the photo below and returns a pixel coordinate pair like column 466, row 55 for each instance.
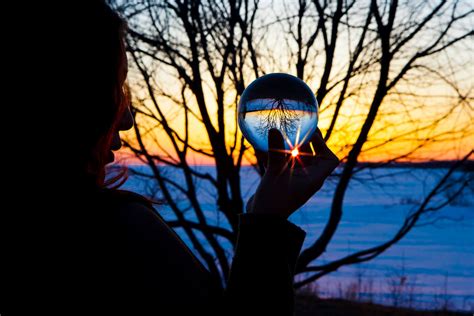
column 467, row 166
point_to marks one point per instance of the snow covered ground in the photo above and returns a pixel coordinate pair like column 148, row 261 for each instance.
column 435, row 262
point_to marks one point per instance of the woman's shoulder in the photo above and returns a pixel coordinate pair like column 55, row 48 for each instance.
column 124, row 196
column 126, row 204
column 131, row 213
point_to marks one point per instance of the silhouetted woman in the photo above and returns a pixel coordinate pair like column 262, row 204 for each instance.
column 87, row 249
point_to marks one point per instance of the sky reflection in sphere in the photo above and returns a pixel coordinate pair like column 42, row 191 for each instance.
column 278, row 101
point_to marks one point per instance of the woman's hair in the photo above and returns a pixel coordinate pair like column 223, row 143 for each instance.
column 103, row 98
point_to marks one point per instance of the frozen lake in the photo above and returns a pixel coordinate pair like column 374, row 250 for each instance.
column 435, row 261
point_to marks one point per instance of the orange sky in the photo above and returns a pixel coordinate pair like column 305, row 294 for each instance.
column 403, row 124
column 453, row 136
column 404, row 121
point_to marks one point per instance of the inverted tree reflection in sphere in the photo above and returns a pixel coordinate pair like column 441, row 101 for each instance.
column 278, row 101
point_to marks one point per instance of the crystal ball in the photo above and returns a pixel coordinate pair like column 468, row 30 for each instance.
column 280, row 101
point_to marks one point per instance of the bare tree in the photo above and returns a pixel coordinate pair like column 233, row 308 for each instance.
column 203, row 49
column 393, row 59
column 191, row 61
column 278, row 116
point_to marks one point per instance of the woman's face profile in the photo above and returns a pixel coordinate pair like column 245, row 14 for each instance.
column 126, row 121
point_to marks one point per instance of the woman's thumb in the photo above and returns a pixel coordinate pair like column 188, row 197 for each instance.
column 276, row 150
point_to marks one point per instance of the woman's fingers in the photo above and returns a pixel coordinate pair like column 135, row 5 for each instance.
column 320, row 146
column 276, row 150
column 325, row 161
column 316, row 148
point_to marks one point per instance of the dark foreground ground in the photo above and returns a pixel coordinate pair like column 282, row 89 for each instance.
column 309, row 306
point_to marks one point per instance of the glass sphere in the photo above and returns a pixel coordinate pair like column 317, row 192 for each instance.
column 279, row 101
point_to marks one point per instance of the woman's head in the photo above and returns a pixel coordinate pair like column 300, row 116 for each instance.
column 102, row 101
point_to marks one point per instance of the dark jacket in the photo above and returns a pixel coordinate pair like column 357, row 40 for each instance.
column 118, row 256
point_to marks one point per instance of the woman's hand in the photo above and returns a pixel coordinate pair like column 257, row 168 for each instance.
column 289, row 181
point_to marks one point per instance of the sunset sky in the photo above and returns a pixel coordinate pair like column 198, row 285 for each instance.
column 427, row 116
column 454, row 134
